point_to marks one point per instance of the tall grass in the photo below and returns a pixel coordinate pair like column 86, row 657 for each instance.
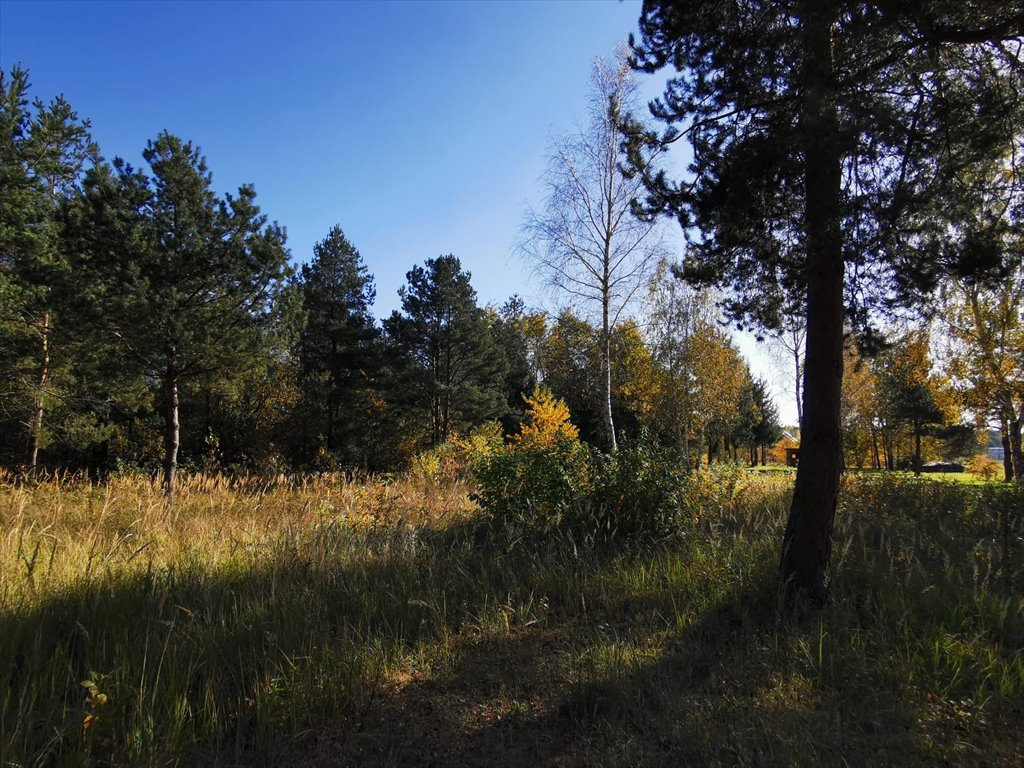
column 299, row 622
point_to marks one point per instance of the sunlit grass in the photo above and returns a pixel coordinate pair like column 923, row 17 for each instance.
column 260, row 622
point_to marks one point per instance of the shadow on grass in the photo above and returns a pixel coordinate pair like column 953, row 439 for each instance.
column 717, row 692
column 243, row 662
column 746, row 681
column 400, row 647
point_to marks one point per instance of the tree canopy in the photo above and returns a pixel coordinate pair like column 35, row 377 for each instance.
column 452, row 367
column 827, row 139
column 337, row 347
column 182, row 279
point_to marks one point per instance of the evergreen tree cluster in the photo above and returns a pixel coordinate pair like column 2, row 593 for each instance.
column 148, row 322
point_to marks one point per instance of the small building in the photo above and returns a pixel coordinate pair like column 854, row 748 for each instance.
column 792, row 457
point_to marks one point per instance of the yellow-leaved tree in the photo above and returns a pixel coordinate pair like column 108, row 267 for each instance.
column 547, row 421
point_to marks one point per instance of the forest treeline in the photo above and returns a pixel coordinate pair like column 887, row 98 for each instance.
column 148, row 322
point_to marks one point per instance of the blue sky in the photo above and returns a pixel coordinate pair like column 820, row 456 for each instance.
column 420, row 127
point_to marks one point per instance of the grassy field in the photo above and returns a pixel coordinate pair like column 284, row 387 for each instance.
column 386, row 623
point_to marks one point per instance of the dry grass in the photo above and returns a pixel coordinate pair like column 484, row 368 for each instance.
column 340, row 622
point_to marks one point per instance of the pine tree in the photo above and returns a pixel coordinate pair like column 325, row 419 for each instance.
column 43, row 152
column 182, row 279
column 767, row 430
column 910, row 392
column 517, row 332
column 338, row 347
column 452, row 368
column 827, row 137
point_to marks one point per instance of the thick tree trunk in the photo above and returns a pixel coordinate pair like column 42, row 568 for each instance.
column 1004, row 434
column 807, row 543
column 1016, row 449
column 171, row 428
column 36, row 431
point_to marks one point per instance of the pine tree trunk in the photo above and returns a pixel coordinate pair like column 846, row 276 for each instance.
column 36, row 431
column 332, row 394
column 171, row 427
column 807, row 543
column 1004, row 433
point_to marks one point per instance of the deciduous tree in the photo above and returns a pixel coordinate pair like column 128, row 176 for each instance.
column 586, row 241
column 911, row 393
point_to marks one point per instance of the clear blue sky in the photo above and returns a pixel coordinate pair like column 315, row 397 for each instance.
column 420, row 127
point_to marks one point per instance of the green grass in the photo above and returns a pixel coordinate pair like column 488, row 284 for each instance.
column 965, row 478
column 383, row 624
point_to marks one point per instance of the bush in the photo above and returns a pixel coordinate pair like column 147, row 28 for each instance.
column 546, row 481
column 986, row 468
column 453, row 459
column 533, row 485
column 637, row 491
column 527, row 488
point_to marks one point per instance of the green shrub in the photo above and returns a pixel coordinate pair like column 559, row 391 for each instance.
column 638, row 490
column 453, row 459
column 530, row 488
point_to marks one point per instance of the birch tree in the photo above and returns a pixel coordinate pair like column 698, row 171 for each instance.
column 586, row 242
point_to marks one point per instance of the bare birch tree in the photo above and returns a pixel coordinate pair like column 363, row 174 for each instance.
column 786, row 349
column 586, row 242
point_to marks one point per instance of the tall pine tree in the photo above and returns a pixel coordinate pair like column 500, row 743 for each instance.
column 182, row 279
column 826, row 135
column 338, row 347
column 44, row 149
column 453, row 368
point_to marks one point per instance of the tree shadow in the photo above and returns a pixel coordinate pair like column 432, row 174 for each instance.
column 521, row 699
column 309, row 661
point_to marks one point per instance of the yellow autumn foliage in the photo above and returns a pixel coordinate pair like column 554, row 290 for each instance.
column 547, row 421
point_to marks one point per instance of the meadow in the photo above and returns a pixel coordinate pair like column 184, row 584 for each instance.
column 389, row 621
